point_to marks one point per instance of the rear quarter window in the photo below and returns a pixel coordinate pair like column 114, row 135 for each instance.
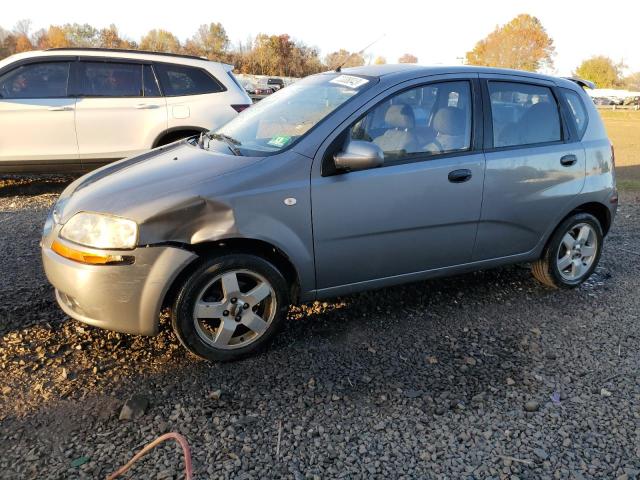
column 178, row 80
column 577, row 110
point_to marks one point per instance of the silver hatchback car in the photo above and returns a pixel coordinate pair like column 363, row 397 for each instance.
column 343, row 181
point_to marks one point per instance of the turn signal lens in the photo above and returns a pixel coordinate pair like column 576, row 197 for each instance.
column 89, row 258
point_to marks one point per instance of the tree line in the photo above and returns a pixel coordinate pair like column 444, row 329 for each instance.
column 522, row 43
column 263, row 54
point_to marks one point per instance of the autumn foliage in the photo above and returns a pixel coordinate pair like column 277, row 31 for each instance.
column 523, row 44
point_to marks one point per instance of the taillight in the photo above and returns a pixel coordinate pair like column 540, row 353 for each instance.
column 240, row 107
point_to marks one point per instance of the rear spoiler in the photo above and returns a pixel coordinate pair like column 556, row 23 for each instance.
column 583, row 83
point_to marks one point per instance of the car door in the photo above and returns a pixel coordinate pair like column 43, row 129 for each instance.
column 534, row 166
column 37, row 114
column 120, row 110
column 195, row 98
column 417, row 212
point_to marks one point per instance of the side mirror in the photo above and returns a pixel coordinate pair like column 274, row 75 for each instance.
column 359, row 155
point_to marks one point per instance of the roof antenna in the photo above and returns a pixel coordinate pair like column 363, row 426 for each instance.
column 339, row 67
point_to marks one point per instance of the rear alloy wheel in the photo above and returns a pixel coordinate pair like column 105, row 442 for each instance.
column 230, row 307
column 572, row 253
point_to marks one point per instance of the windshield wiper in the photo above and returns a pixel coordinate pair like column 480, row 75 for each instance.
column 231, row 142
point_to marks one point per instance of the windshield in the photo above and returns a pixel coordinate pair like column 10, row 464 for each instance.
column 276, row 122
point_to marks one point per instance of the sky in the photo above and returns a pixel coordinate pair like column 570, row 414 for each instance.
column 437, row 32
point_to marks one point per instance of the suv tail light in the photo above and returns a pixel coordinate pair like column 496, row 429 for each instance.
column 240, row 107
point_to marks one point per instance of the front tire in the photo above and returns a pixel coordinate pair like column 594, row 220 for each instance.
column 230, row 307
column 572, row 254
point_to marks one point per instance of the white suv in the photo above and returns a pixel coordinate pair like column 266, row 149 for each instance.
column 81, row 108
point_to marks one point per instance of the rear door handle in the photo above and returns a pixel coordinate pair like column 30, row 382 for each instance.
column 568, row 160
column 460, row 176
column 60, row 109
column 144, row 106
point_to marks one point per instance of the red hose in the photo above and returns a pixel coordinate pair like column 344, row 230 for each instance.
column 177, row 437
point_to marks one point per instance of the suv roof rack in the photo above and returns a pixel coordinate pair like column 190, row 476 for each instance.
column 125, row 50
column 582, row 82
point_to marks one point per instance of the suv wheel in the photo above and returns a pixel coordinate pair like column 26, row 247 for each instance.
column 230, row 307
column 572, row 253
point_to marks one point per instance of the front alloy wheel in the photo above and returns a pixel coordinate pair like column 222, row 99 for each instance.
column 234, row 309
column 230, row 307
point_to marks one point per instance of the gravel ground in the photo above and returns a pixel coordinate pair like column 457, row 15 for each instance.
column 429, row 380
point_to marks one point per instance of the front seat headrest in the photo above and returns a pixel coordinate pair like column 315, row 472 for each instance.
column 449, row 121
column 399, row 116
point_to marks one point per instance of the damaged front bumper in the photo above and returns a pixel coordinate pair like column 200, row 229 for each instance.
column 125, row 298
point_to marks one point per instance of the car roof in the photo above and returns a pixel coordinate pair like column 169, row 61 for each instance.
column 119, row 53
column 408, row 71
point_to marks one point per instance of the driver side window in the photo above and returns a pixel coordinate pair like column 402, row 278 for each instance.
column 427, row 120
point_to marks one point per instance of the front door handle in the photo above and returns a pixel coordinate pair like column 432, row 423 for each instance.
column 144, row 106
column 60, row 109
column 568, row 160
column 460, row 176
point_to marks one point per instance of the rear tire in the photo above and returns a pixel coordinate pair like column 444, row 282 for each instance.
column 230, row 307
column 572, row 253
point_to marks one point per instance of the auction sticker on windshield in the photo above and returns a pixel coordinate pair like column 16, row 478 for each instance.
column 349, row 81
column 279, row 140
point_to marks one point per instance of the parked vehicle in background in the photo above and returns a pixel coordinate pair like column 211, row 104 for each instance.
column 604, row 101
column 81, row 108
column 350, row 181
column 253, row 89
column 633, row 100
column 278, row 83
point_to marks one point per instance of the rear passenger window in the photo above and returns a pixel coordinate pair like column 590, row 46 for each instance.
column 151, row 88
column 523, row 114
column 577, row 109
column 179, row 81
column 427, row 120
column 36, row 80
column 106, row 79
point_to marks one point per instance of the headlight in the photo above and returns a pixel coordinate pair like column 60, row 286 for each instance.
column 97, row 230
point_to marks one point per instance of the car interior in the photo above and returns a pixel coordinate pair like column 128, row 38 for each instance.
column 523, row 114
column 425, row 120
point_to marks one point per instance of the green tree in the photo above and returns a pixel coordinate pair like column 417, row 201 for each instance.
column 160, row 41
column 209, row 41
column 600, row 70
column 81, row 35
column 523, row 44
column 343, row 58
column 408, row 58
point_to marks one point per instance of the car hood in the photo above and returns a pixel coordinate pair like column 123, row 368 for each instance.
column 143, row 186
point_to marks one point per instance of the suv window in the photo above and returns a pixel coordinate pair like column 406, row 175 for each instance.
column 179, row 81
column 107, row 79
column 577, row 109
column 36, row 80
column 430, row 119
column 523, row 114
column 151, row 88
